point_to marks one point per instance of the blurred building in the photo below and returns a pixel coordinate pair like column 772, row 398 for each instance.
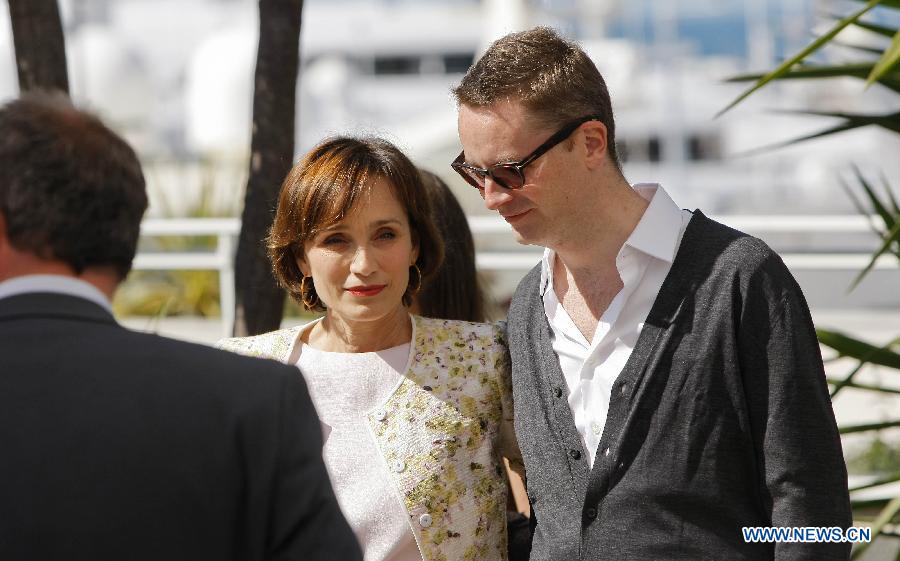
column 175, row 76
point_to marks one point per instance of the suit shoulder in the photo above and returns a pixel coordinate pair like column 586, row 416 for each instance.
column 195, row 361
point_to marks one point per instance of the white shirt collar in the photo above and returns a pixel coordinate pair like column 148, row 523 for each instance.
column 656, row 234
column 54, row 283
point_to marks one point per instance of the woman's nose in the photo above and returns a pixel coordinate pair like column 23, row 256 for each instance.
column 363, row 262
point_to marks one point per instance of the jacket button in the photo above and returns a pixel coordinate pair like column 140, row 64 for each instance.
column 399, row 466
column 557, row 392
column 591, row 513
column 380, row 415
column 425, row 520
column 575, row 454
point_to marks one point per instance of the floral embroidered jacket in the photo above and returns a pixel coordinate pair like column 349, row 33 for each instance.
column 449, row 421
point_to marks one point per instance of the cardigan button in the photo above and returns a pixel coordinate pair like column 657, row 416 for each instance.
column 575, row 454
column 623, row 389
column 425, row 520
column 399, row 466
column 591, row 513
column 380, row 415
column 557, row 391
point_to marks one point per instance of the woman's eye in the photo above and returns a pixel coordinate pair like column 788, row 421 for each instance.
column 333, row 240
column 387, row 235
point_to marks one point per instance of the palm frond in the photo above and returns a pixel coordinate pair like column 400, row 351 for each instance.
column 887, row 514
column 859, row 70
column 887, row 62
column 874, row 200
column 854, row 348
column 882, row 30
column 850, row 429
column 892, row 237
column 809, row 49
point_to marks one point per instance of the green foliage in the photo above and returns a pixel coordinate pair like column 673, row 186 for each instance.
column 178, row 292
column 878, row 457
column 883, row 67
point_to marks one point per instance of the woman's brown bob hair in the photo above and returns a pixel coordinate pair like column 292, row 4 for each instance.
column 323, row 188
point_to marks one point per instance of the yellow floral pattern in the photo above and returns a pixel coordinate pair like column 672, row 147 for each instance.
column 448, row 424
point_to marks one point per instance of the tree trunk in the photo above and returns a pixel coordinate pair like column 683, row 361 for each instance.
column 260, row 302
column 39, row 44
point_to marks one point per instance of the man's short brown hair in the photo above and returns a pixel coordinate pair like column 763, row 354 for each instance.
column 70, row 188
column 323, row 188
column 554, row 79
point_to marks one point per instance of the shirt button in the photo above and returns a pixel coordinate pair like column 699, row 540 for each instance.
column 575, row 454
column 399, row 466
column 596, row 428
column 380, row 415
column 557, row 392
column 591, row 513
column 606, row 452
column 425, row 520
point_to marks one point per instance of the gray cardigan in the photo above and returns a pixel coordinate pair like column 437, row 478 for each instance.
column 720, row 419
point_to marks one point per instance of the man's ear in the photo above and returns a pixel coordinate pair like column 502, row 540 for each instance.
column 595, row 143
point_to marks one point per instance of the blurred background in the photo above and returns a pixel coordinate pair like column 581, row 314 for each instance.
column 175, row 77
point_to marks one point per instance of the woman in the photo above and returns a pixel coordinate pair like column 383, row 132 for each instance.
column 415, row 411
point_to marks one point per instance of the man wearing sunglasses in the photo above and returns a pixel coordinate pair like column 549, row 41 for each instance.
column 667, row 379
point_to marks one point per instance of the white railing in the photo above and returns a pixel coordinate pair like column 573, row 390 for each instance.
column 220, row 259
column 226, row 230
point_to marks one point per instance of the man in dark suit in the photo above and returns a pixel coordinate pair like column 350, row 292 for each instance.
column 122, row 445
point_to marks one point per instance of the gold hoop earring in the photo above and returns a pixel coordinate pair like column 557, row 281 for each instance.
column 308, row 295
column 414, row 289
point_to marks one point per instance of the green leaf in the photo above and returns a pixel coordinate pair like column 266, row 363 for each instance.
column 888, row 3
column 860, row 350
column 875, row 201
column 844, row 383
column 859, row 206
column 890, row 194
column 887, row 514
column 811, row 48
column 890, row 122
column 890, row 239
column 860, row 70
column 888, row 61
column 880, row 481
column 875, row 28
column 849, row 429
column 848, row 381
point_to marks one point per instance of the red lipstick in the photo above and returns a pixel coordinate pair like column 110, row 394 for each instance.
column 366, row 290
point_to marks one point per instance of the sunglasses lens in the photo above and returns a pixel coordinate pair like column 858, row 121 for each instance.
column 474, row 178
column 508, row 177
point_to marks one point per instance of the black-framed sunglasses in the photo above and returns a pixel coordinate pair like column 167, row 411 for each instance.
column 511, row 175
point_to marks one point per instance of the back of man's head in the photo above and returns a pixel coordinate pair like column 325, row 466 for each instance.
column 71, row 190
column 551, row 77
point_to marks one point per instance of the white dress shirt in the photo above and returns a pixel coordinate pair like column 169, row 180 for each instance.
column 58, row 284
column 591, row 367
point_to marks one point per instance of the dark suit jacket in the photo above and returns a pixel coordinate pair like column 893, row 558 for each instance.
column 117, row 445
column 720, row 419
